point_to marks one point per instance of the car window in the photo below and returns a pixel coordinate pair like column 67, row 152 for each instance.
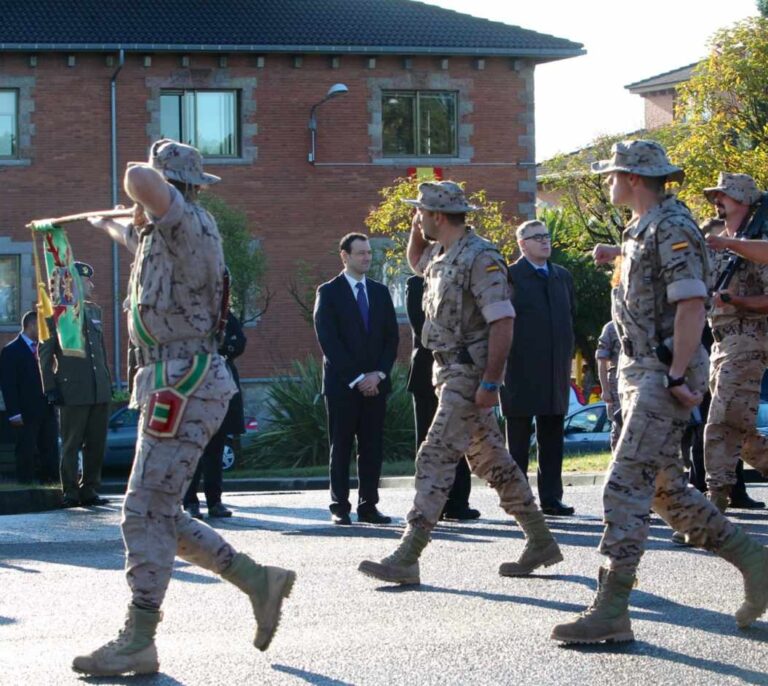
column 128, row 417
column 585, row 421
column 762, row 414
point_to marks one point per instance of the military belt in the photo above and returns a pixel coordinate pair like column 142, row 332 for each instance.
column 446, row 357
column 742, row 327
column 174, row 350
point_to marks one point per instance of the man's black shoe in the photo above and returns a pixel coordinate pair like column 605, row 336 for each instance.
column 95, row 500
column 70, row 502
column 341, row 519
column 373, row 517
column 193, row 510
column 463, row 514
column 557, row 509
column 218, row 511
column 744, row 502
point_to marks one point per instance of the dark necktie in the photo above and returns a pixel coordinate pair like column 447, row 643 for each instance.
column 362, row 304
column 33, row 348
column 542, row 272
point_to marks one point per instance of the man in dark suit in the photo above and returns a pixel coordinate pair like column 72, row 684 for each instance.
column 425, row 402
column 539, row 368
column 356, row 327
column 33, row 419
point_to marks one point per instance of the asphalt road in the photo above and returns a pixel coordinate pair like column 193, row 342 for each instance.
column 62, row 592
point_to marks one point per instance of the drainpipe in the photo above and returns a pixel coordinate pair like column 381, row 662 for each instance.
column 116, row 309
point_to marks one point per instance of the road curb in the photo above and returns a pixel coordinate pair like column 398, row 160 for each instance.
column 25, row 500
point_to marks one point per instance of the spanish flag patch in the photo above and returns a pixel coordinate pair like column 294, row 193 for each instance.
column 493, row 268
column 682, row 245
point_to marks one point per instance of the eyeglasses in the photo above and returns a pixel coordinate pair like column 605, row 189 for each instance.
column 539, row 238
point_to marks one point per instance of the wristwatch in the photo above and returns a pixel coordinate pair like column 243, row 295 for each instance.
column 726, row 297
column 382, row 375
column 671, row 381
column 489, row 386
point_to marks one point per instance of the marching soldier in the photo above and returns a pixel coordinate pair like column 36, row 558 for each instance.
column 183, row 387
column 740, row 349
column 468, row 325
column 82, row 387
column 658, row 309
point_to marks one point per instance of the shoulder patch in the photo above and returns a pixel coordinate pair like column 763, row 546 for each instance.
column 682, row 245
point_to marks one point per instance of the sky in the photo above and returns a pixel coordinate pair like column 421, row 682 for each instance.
column 583, row 97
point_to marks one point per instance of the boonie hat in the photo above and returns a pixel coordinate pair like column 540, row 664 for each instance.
column 645, row 158
column 741, row 187
column 442, row 196
column 179, row 162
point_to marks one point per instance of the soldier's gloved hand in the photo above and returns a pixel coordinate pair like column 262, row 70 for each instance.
column 54, row 397
column 686, row 397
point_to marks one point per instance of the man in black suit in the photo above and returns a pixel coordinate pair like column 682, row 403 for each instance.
column 425, row 402
column 356, row 327
column 539, row 368
column 30, row 415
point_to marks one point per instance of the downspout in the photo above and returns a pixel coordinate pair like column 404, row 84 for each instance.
column 116, row 305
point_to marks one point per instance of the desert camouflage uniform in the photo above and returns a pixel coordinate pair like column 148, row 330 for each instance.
column 457, row 315
column 177, row 281
column 608, row 348
column 647, row 471
column 738, row 359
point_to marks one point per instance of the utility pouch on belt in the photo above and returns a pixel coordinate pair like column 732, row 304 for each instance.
column 168, row 403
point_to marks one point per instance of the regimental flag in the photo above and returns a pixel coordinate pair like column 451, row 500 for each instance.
column 65, row 295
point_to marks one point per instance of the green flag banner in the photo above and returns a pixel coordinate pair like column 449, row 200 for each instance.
column 65, row 287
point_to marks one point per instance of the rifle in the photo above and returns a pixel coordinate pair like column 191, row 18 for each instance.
column 751, row 228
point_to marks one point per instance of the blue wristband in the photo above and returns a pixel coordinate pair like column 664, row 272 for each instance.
column 489, row 386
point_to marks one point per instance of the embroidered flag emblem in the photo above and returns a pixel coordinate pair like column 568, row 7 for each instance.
column 682, row 245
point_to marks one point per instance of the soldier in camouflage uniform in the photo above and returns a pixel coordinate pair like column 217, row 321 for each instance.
column 740, row 349
column 660, row 300
column 607, row 358
column 468, row 326
column 175, row 306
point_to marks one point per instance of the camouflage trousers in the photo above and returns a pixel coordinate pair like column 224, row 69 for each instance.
column 154, row 526
column 737, row 366
column 461, row 428
column 611, row 408
column 647, row 470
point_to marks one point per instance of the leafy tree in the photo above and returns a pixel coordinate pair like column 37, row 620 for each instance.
column 762, row 7
column 724, row 111
column 244, row 258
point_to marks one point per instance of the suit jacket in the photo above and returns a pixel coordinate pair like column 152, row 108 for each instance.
column 422, row 360
column 78, row 380
column 348, row 349
column 539, row 367
column 20, row 382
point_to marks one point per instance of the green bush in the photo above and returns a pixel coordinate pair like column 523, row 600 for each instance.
column 296, row 433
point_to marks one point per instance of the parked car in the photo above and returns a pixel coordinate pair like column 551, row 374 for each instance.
column 588, row 430
column 123, row 431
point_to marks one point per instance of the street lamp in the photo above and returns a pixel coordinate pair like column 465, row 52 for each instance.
column 333, row 91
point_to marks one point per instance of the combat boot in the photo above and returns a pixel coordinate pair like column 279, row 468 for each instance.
column 402, row 566
column 132, row 652
column 541, row 549
column 751, row 559
column 607, row 619
column 267, row 588
column 719, row 497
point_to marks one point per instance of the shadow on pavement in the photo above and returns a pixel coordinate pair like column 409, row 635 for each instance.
column 158, row 679
column 5, row 621
column 645, row 649
column 310, row 677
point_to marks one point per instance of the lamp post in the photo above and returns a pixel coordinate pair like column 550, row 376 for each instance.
column 335, row 90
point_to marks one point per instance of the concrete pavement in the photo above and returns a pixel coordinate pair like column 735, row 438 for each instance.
column 62, row 592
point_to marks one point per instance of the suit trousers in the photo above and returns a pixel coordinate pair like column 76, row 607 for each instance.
column 549, row 442
column 424, row 409
column 82, row 427
column 37, row 449
column 211, row 470
column 351, row 417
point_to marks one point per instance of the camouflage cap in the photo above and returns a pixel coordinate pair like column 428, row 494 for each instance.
column 84, row 269
column 741, row 187
column 645, row 158
column 179, row 162
column 442, row 196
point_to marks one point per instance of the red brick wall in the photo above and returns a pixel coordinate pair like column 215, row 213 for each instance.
column 297, row 210
column 659, row 109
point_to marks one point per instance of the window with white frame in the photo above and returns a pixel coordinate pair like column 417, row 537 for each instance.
column 10, row 290
column 206, row 119
column 9, row 123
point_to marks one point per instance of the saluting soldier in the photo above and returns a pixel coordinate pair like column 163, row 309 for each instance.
column 740, row 348
column 468, row 325
column 659, row 313
column 82, row 387
column 175, row 307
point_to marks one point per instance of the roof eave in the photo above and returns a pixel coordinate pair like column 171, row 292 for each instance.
column 538, row 54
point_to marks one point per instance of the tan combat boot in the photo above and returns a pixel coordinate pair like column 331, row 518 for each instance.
column 541, row 549
column 751, row 559
column 607, row 619
column 719, row 497
column 402, row 566
column 132, row 652
column 266, row 587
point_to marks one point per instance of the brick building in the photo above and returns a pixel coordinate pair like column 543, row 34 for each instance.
column 427, row 87
column 659, row 94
